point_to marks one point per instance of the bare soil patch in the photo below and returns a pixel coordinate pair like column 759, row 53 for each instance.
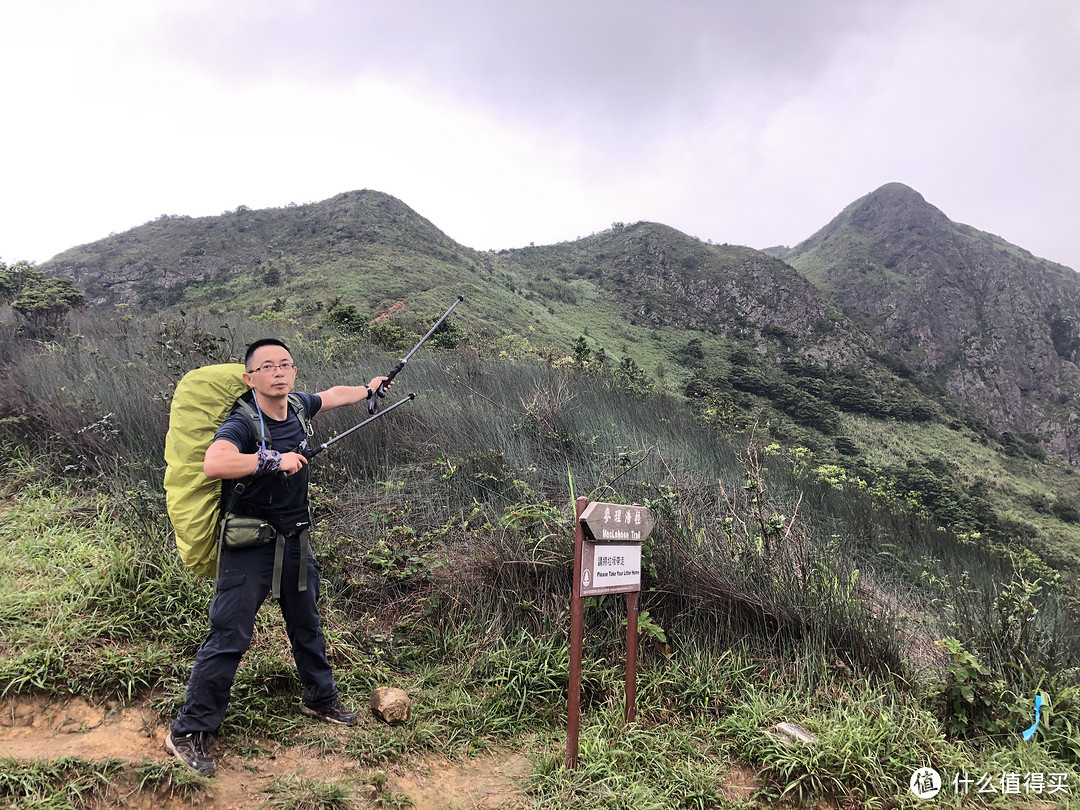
column 42, row 729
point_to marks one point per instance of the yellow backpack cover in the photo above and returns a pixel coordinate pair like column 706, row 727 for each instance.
column 202, row 400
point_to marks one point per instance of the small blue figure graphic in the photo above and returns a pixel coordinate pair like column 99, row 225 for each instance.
column 1031, row 731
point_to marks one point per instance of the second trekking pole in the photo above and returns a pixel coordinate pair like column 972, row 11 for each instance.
column 373, row 403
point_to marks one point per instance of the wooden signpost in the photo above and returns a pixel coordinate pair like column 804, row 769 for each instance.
column 607, row 559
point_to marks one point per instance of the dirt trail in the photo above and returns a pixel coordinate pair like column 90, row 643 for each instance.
column 31, row 729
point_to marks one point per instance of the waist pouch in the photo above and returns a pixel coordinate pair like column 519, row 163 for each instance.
column 245, row 531
column 241, row 531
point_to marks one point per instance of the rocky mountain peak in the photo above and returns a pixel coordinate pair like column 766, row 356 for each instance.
column 891, row 205
column 996, row 325
column 887, row 218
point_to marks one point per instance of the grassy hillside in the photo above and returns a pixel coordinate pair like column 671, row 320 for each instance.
column 741, row 336
column 780, row 586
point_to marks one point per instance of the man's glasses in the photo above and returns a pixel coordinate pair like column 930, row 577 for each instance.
column 270, row 368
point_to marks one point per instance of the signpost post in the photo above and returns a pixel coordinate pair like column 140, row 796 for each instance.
column 577, row 631
column 607, row 559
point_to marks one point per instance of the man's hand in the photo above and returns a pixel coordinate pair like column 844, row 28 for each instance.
column 292, row 463
column 378, row 381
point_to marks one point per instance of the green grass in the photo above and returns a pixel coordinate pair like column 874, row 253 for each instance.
column 66, row 782
column 60, row 784
column 518, row 684
column 310, row 794
column 1008, row 483
column 701, row 708
column 84, row 599
column 171, row 778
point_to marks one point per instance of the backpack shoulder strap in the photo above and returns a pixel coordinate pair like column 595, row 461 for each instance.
column 246, row 406
column 297, row 404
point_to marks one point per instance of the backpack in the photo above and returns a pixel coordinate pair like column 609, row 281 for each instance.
column 203, row 398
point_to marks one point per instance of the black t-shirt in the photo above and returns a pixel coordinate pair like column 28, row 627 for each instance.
column 279, row 500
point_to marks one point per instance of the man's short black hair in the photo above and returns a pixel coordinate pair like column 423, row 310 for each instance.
column 258, row 344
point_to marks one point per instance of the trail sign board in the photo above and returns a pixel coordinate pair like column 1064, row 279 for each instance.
column 616, row 522
column 611, row 547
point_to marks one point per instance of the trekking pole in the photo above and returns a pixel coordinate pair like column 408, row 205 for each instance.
column 373, row 403
column 367, row 421
column 312, row 453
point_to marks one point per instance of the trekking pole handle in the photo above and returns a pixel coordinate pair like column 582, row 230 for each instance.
column 380, row 392
column 310, row 454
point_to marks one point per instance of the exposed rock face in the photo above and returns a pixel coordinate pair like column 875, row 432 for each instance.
column 676, row 281
column 995, row 325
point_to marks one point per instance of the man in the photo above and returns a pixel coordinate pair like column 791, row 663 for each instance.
column 274, row 488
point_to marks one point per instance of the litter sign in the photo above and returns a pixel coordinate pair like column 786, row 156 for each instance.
column 610, row 568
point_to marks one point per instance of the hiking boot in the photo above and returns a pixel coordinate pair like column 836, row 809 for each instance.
column 331, row 712
column 193, row 750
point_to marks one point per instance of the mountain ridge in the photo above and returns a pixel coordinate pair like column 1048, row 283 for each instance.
column 890, row 274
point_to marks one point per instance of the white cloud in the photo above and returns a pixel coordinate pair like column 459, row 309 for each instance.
column 507, row 123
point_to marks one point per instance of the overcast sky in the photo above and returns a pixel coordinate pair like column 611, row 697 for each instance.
column 506, row 122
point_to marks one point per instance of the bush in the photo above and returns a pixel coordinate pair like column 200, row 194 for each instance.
column 854, row 399
column 1066, row 511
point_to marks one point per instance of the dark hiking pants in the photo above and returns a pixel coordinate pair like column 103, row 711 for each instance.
column 244, row 582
